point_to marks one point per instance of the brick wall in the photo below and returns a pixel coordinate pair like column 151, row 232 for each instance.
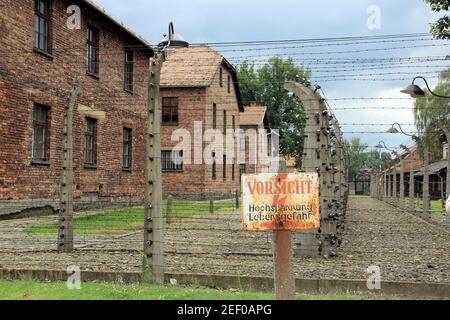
column 417, row 162
column 27, row 77
column 191, row 108
column 228, row 102
column 197, row 105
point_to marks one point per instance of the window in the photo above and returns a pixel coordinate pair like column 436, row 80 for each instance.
column 214, row 116
column 90, row 148
column 129, row 65
column 170, row 111
column 269, row 145
column 224, row 168
column 127, row 148
column 242, row 170
column 221, row 77
column 242, row 141
column 172, row 161
column 42, row 26
column 214, row 167
column 233, row 172
column 40, row 147
column 229, row 84
column 92, row 50
column 234, row 124
column 224, row 121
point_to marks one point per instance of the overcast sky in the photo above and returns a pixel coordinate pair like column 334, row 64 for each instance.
column 239, row 20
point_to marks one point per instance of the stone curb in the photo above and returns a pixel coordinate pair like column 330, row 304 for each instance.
column 250, row 284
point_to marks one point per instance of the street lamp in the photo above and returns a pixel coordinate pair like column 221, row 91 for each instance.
column 416, row 92
column 393, row 129
column 173, row 40
column 387, row 179
column 153, row 259
column 411, row 163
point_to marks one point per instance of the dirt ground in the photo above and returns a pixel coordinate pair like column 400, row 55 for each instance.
column 403, row 246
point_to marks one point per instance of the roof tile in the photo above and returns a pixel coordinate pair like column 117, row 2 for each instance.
column 190, row 67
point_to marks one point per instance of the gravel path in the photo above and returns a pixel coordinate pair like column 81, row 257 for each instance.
column 403, row 246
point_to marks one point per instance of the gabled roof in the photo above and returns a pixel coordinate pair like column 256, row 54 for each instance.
column 435, row 168
column 98, row 8
column 254, row 115
column 195, row 67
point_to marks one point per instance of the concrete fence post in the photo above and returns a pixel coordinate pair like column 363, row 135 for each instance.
column 211, row 203
column 65, row 233
column 317, row 157
column 153, row 262
column 238, row 199
column 412, row 206
column 402, row 183
column 394, row 186
column 426, row 183
column 169, row 209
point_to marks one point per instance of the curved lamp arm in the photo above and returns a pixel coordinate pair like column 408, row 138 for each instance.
column 428, row 87
column 383, row 144
column 413, row 136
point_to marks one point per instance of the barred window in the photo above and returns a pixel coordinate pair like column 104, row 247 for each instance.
column 225, row 121
column 214, row 124
column 129, row 66
column 40, row 147
column 90, row 134
column 127, row 148
column 42, row 23
column 170, row 111
column 93, row 50
column 172, row 161
column 214, row 167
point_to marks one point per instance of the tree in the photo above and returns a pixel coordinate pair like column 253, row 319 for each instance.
column 432, row 118
column 441, row 28
column 358, row 157
column 265, row 85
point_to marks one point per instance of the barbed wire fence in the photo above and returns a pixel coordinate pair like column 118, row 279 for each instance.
column 206, row 237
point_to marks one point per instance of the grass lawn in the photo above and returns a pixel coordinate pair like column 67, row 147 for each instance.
column 435, row 206
column 31, row 290
column 124, row 221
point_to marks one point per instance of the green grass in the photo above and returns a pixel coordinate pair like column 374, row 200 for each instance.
column 31, row 290
column 124, row 221
column 436, row 207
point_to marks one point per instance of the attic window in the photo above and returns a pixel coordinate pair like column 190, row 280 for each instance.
column 221, row 78
column 229, row 84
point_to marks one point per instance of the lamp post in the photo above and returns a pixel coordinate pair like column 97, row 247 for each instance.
column 393, row 129
column 411, row 177
column 426, row 175
column 387, row 177
column 415, row 92
column 153, row 259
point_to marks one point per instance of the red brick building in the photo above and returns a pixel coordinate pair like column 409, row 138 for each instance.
column 199, row 89
column 42, row 59
column 257, row 146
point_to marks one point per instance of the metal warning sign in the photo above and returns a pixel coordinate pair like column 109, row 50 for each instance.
column 281, row 202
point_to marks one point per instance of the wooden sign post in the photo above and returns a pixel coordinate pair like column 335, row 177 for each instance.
column 281, row 202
